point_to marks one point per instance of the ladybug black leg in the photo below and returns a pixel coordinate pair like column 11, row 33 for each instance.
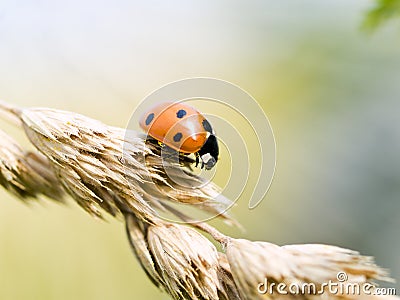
column 197, row 159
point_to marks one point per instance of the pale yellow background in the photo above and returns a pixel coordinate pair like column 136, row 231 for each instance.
column 331, row 93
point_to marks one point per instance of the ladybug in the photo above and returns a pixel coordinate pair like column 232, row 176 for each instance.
column 184, row 129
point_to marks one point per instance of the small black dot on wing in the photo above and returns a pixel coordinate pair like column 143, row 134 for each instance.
column 149, row 118
column 177, row 137
column 181, row 113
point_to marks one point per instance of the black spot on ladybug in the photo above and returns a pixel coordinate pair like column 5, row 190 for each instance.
column 207, row 126
column 178, row 137
column 181, row 113
column 149, row 118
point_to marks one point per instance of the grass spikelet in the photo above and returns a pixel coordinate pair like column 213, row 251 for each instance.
column 105, row 167
column 253, row 263
column 26, row 174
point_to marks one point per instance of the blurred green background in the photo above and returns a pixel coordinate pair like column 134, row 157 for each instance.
column 330, row 90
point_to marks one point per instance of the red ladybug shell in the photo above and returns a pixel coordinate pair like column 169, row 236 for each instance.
column 177, row 125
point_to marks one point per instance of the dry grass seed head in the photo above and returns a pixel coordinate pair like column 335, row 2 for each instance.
column 104, row 166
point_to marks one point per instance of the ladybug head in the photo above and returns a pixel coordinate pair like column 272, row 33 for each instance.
column 209, row 152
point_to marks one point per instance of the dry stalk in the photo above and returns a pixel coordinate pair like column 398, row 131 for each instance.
column 108, row 169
